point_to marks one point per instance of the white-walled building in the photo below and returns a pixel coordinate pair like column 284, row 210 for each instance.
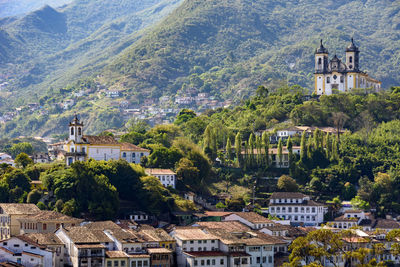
column 80, row 147
column 297, row 207
column 83, row 246
column 25, row 251
column 166, row 176
column 195, row 245
column 335, row 75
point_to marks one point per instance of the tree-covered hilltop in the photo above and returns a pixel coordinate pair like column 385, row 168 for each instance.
column 361, row 164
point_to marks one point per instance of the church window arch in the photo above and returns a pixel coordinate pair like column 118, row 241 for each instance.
column 319, row 61
column 328, row 79
column 124, row 154
column 351, row 59
column 72, row 131
column 79, row 131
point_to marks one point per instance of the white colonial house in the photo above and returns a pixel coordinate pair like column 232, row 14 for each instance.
column 25, row 252
column 297, row 207
column 195, row 246
column 166, row 176
column 80, row 147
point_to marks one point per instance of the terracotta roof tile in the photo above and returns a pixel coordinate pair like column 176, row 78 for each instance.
column 116, row 254
column 132, row 147
column 253, row 217
column 50, row 216
column 102, row 225
column 193, row 233
column 99, row 140
column 44, row 239
column 81, row 234
column 280, row 195
column 19, row 209
column 159, row 172
column 233, row 226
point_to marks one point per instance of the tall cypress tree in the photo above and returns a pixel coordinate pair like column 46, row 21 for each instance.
column 238, row 149
column 228, row 149
column 303, row 148
column 265, row 141
column 280, row 151
column 251, row 148
column 309, row 148
column 259, row 148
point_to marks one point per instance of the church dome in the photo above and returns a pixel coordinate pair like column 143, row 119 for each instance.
column 352, row 47
column 321, row 49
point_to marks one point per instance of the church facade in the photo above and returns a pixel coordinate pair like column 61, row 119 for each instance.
column 333, row 75
column 80, row 147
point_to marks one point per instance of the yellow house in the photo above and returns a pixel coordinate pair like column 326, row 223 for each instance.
column 117, row 259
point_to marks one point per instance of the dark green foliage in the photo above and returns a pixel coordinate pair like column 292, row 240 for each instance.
column 34, row 196
column 163, row 157
column 184, row 116
column 23, row 160
column 19, row 148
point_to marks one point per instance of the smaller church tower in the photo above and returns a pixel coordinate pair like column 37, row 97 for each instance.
column 321, row 59
column 352, row 57
column 75, row 130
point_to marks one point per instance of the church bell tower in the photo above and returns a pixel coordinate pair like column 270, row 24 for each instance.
column 75, row 130
column 353, row 57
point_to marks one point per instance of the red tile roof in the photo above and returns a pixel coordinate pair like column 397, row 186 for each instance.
column 159, row 172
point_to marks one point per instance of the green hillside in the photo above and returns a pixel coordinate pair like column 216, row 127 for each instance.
column 226, row 47
column 55, row 47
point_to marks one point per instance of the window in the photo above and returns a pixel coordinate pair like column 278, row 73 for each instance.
column 133, row 264
column 270, row 259
column 123, row 263
column 116, row 263
column 83, row 149
column 72, row 131
column 328, row 79
column 236, row 261
column 195, row 263
column 202, row 262
column 145, row 263
column 351, row 59
column 79, row 131
column 139, row 263
column 221, row 262
column 16, row 246
column 320, row 61
column 213, row 262
column 258, row 259
column 44, row 226
column 109, row 264
column 72, row 149
column 124, row 155
column 342, row 79
column 208, row 262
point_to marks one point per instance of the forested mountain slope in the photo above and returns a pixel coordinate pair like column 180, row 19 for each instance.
column 48, row 44
column 232, row 46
